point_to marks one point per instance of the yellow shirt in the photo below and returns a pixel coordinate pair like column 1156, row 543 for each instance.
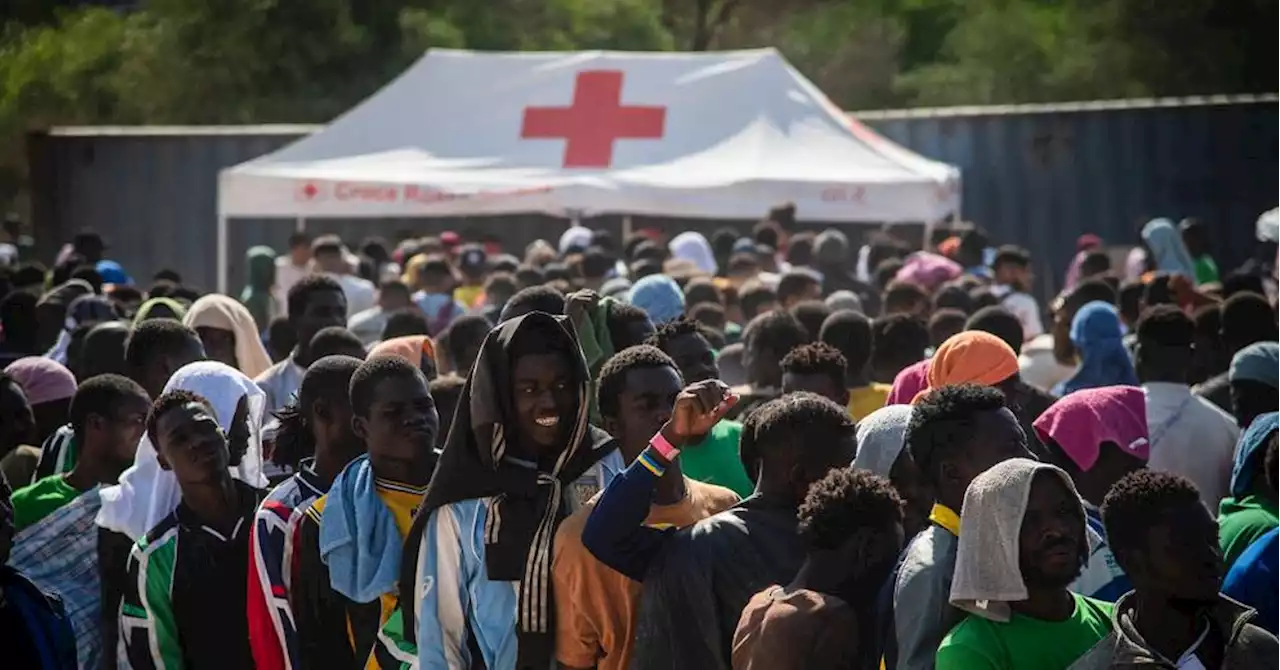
column 867, row 399
column 470, row 296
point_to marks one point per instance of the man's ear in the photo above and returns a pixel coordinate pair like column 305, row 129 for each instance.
column 360, row 426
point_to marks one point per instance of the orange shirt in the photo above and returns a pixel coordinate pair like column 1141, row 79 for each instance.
column 596, row 606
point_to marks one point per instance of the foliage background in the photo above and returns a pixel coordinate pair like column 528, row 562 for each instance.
column 297, row 61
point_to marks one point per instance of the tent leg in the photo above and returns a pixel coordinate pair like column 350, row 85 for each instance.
column 300, row 224
column 222, row 254
column 626, row 227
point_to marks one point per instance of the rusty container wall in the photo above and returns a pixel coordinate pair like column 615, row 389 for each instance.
column 152, row 193
column 1042, row 175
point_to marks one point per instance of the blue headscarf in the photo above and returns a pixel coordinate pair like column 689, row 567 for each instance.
column 113, row 273
column 1167, row 251
column 659, row 296
column 1258, row 362
column 1104, row 361
column 1254, row 438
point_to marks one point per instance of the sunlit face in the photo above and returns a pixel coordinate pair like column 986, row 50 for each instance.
column 190, row 443
column 545, row 401
column 1052, row 546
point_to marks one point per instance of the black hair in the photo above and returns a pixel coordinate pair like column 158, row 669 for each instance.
column 1270, row 462
column 645, row 267
column 844, row 501
column 1158, row 291
column 850, row 333
column 1139, row 500
column 306, row 287
column 953, row 296
column 435, row 269
column 395, row 287
column 765, row 233
column 1087, row 291
column 983, row 297
column 722, row 241
column 702, row 290
column 1095, row 262
column 899, row 339
column 618, row 320
column 811, row 314
column 1130, row 298
column 649, row 251
column 595, row 263
column 665, row 333
column 281, row 337
column 774, row 332
column 168, row 401
column 783, row 214
column 902, row 295
column 374, row 371
column 883, row 249
column 375, row 248
column 943, row 324
column 404, row 322
column 446, row 391
column 1166, row 326
column 800, row 249
column 18, row 318
column 999, row 322
column 604, row 239
column 942, row 422
column 499, row 287
column 299, row 239
column 162, row 289
column 154, row 338
column 185, row 294
column 28, row 275
column 529, row 276
column 742, row 262
column 1236, row 282
column 466, row 332
column 103, row 349
column 1247, row 318
column 90, row 274
column 533, row 299
column 125, row 293
column 753, row 296
column 1011, row 255
column 805, row 424
column 794, row 284
column 166, row 275
column 335, row 341
column 99, row 395
column 328, row 378
column 613, row 374
column 506, row 264
column 710, row 315
column 816, row 358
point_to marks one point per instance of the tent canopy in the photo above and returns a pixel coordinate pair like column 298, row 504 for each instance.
column 707, row 135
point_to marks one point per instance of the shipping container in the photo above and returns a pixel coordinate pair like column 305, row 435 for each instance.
column 1034, row 175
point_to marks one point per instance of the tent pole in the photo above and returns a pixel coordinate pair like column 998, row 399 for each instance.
column 626, row 227
column 222, row 253
column 300, row 224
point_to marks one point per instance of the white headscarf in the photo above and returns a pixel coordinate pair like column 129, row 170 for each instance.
column 881, row 437
column 219, row 311
column 693, row 247
column 987, row 575
column 147, row 493
column 576, row 236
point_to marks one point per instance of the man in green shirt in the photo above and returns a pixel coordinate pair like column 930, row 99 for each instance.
column 713, row 458
column 1024, row 543
column 1250, row 511
column 108, row 414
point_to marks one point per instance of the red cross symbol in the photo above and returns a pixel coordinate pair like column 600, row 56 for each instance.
column 594, row 120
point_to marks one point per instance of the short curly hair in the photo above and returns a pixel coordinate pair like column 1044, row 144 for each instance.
column 667, row 332
column 850, row 332
column 168, row 401
column 374, row 371
column 805, row 424
column 816, row 358
column 943, row 421
column 775, row 333
column 613, row 374
column 1140, row 499
column 847, row 499
column 618, row 321
column 811, row 314
column 312, row 284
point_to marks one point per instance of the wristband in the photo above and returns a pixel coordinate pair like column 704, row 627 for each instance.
column 665, row 449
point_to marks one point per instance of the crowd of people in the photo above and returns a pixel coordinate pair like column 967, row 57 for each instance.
column 764, row 450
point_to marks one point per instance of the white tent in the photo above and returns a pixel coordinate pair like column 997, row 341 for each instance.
column 707, row 135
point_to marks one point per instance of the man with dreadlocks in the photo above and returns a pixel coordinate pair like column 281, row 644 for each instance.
column 315, row 440
column 520, row 457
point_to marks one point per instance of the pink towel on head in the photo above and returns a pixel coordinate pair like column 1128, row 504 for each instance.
column 928, row 270
column 42, row 379
column 1082, row 421
column 911, row 381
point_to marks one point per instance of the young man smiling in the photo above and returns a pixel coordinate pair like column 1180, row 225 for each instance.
column 595, row 605
column 185, row 603
column 349, row 541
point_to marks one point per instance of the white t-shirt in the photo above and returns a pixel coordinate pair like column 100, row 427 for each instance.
column 361, row 293
column 287, row 274
column 1191, row 437
column 1023, row 306
column 1039, row 368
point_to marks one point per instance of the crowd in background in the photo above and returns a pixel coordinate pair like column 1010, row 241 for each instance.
column 764, row 449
